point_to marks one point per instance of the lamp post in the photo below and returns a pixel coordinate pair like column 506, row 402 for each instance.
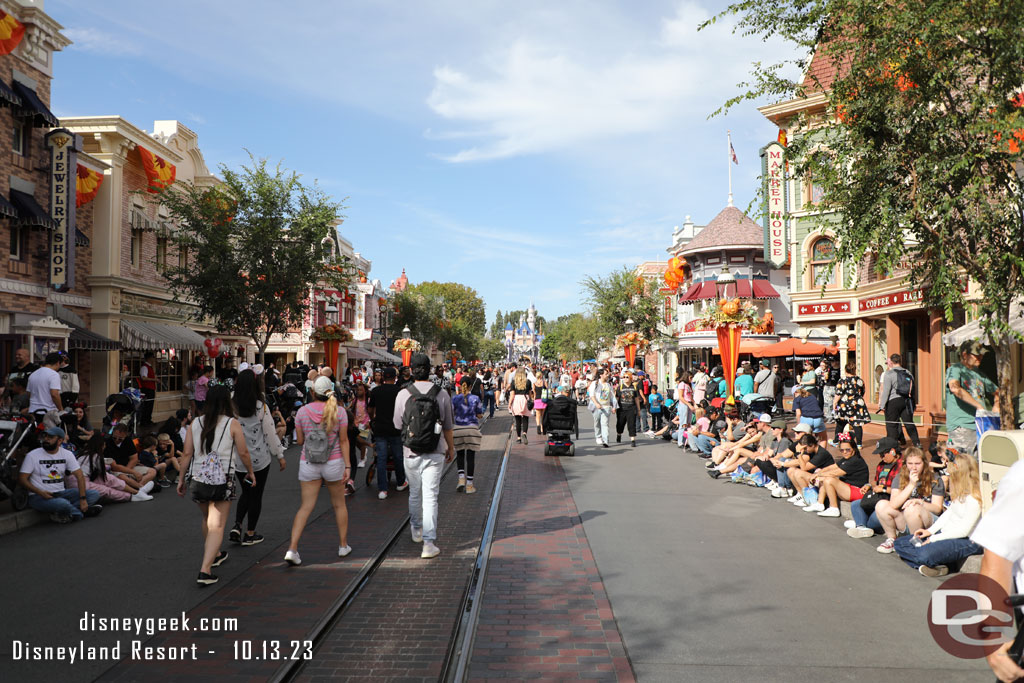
column 406, row 333
column 581, row 345
column 454, row 354
column 728, row 333
column 725, row 284
column 629, row 349
column 331, row 311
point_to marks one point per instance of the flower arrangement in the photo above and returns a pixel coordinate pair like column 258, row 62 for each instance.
column 457, row 355
column 406, row 345
column 726, row 311
column 636, row 338
column 330, row 333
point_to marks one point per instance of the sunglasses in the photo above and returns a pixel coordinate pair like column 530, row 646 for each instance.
column 846, row 450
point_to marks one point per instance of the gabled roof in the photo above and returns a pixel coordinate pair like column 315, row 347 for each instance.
column 730, row 228
column 508, row 326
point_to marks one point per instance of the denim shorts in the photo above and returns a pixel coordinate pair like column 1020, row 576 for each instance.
column 817, row 423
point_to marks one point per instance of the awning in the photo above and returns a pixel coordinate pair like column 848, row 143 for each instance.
column 155, row 336
column 358, row 353
column 80, row 239
column 793, row 347
column 8, row 96
column 762, row 289
column 29, row 211
column 700, row 291
column 33, row 108
column 387, row 357
column 746, row 346
column 974, row 331
column 87, row 340
column 7, row 210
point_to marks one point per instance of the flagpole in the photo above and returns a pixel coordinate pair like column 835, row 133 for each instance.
column 728, row 161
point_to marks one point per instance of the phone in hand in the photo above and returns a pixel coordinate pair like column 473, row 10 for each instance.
column 249, row 481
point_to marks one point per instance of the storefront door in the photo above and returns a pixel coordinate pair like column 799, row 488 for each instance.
column 909, row 350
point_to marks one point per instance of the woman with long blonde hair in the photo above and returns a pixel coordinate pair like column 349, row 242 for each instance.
column 322, row 431
column 916, row 505
column 520, row 395
column 947, row 542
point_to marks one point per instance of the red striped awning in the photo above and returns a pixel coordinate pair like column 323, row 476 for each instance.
column 699, row 291
column 764, row 290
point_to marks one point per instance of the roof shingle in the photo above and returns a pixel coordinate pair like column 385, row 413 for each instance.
column 730, row 228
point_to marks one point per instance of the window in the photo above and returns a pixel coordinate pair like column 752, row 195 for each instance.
column 136, row 247
column 822, row 255
column 320, row 314
column 22, row 137
column 169, row 366
column 18, row 234
column 161, row 254
column 182, row 257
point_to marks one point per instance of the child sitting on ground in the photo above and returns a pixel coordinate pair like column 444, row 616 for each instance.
column 149, row 458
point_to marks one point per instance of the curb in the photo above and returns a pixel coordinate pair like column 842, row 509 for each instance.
column 16, row 521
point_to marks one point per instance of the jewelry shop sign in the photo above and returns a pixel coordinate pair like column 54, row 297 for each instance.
column 63, row 173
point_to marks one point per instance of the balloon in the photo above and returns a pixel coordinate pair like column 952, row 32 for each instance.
column 213, row 346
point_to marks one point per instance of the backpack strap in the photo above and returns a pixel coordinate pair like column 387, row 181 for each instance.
column 433, row 392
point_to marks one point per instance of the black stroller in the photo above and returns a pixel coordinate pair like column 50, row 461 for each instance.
column 561, row 421
column 122, row 409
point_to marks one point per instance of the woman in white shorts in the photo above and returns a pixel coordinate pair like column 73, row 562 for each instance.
column 322, row 412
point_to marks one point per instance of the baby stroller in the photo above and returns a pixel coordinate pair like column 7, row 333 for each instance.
column 560, row 422
column 122, row 408
column 15, row 432
column 753, row 405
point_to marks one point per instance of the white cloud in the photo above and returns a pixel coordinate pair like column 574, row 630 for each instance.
column 96, row 40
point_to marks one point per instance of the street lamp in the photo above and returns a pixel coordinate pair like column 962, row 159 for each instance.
column 630, row 325
column 331, row 311
column 454, row 352
column 725, row 284
column 406, row 333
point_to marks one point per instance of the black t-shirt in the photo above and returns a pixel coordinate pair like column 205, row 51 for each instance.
column 856, row 471
column 626, row 397
column 822, row 459
column 23, row 372
column 717, row 427
column 382, row 400
column 121, row 454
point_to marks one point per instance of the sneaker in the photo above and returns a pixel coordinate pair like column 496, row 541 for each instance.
column 850, row 524
column 778, row 492
column 429, row 550
column 886, row 546
column 219, row 560
column 292, row 558
column 800, row 503
column 710, row 465
column 344, row 550
column 362, row 462
column 794, row 499
column 632, row 443
column 604, row 445
column 925, row 570
column 831, row 512
column 860, row 532
column 714, row 474
column 525, row 440
column 350, row 488
column 618, row 438
column 814, row 507
column 470, row 488
column 402, row 487
column 93, row 510
column 141, row 497
column 205, row 579
column 417, row 535
column 60, row 518
column 147, row 487
column 235, row 535
column 461, row 486
column 163, row 483
column 252, row 540
column 382, row 495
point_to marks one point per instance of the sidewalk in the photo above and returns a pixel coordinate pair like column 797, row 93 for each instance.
column 545, row 613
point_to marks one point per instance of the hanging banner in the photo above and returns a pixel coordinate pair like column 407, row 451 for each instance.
column 63, row 158
column 87, row 185
column 11, row 33
column 159, row 172
column 776, row 193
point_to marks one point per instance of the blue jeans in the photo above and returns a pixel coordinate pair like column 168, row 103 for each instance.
column 783, row 478
column 863, row 519
column 601, row 417
column 705, row 444
column 951, row 551
column 63, row 502
column 489, row 401
column 384, row 446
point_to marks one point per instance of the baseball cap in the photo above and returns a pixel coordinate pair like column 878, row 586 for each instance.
column 886, row 444
column 778, row 424
column 323, row 385
column 765, row 417
column 802, row 428
column 765, row 362
column 55, row 431
column 973, row 347
column 389, row 373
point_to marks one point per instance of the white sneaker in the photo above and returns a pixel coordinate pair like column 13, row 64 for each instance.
column 850, row 524
column 814, row 507
column 292, row 558
column 147, row 487
column 382, row 495
column 794, row 498
column 429, row 550
column 777, row 492
column 140, row 497
column 798, row 501
column 362, row 462
column 417, row 535
column 831, row 512
column 860, row 532
column 344, row 550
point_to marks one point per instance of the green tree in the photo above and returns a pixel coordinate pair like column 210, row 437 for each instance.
column 490, row 350
column 620, row 296
column 920, row 153
column 443, row 313
column 255, row 246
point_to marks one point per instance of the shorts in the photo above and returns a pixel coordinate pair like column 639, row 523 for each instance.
column 817, row 423
column 141, row 470
column 855, row 493
column 332, row 470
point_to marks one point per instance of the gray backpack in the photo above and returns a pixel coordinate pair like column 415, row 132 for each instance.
column 317, row 446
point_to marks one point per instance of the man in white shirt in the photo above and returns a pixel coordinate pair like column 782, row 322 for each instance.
column 602, row 401
column 42, row 474
column 44, row 386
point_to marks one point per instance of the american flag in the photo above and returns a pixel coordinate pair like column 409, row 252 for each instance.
column 732, row 153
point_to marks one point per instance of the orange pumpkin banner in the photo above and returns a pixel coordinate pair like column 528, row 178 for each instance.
column 87, row 185
column 159, row 172
column 11, row 33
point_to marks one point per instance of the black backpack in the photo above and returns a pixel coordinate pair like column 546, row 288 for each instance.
column 421, row 421
column 904, row 382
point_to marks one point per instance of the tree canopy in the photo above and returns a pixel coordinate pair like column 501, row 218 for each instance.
column 443, row 313
column 622, row 295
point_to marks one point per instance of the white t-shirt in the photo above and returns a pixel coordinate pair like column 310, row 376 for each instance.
column 40, row 383
column 47, row 470
column 1000, row 530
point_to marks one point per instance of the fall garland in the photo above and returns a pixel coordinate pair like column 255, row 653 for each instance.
column 406, row 345
column 330, row 333
column 730, row 311
column 635, row 338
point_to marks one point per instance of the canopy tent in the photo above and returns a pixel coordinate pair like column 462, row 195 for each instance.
column 794, row 347
column 974, row 330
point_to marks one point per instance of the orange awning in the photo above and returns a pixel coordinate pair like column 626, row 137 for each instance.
column 746, row 346
column 792, row 347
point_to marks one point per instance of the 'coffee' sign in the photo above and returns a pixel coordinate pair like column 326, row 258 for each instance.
column 773, row 174
column 823, row 309
column 63, row 173
column 912, row 296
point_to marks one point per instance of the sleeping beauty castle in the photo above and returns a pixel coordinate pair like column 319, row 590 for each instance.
column 523, row 340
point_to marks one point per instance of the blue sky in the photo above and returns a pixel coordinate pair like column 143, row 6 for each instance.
column 513, row 147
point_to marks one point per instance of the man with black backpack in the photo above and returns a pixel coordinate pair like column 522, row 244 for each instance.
column 424, row 415
column 895, row 402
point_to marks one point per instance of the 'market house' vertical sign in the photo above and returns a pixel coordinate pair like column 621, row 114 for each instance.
column 773, row 173
column 63, row 166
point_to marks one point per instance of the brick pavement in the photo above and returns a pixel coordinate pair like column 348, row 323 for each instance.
column 400, row 626
column 545, row 614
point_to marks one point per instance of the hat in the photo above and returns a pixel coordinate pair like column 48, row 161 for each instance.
column 243, row 366
column 420, row 360
column 765, row 417
column 802, row 428
column 323, row 386
column 765, row 362
column 973, row 347
column 778, row 424
column 389, row 373
column 257, row 369
column 55, row 431
column 886, row 444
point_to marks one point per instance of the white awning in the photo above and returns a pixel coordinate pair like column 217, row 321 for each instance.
column 973, row 330
column 146, row 336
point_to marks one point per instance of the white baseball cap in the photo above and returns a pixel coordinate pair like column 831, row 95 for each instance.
column 802, row 428
column 765, row 417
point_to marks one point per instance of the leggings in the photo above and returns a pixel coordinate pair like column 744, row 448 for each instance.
column 627, row 419
column 522, row 424
column 465, row 461
column 250, row 501
column 858, row 430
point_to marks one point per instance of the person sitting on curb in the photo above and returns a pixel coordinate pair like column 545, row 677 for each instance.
column 916, row 506
column 947, row 542
column 705, row 441
column 126, row 457
column 773, row 467
column 729, row 456
column 811, row 458
column 840, row 481
column 865, row 522
column 42, row 474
